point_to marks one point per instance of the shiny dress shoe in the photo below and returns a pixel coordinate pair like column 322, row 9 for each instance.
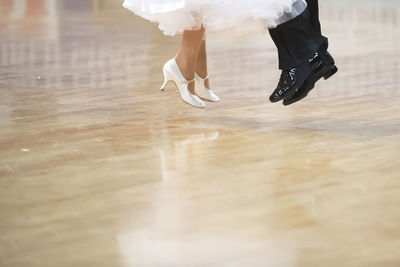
column 290, row 81
column 323, row 65
column 172, row 73
column 328, row 68
column 203, row 92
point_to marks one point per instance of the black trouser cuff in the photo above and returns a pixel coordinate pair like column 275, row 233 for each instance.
column 296, row 40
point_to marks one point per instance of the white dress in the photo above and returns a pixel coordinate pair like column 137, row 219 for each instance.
column 175, row 16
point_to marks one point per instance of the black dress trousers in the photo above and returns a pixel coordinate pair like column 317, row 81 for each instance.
column 298, row 39
column 312, row 6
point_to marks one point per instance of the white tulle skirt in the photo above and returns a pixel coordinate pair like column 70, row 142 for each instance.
column 175, row 16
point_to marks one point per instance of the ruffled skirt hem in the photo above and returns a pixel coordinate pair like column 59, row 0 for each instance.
column 176, row 16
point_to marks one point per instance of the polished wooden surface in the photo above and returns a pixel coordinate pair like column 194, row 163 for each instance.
column 100, row 168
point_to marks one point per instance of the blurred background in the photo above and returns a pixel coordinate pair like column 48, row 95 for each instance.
column 98, row 168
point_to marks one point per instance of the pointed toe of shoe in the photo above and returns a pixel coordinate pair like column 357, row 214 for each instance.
column 213, row 97
column 203, row 92
column 197, row 102
column 207, row 95
column 275, row 98
column 194, row 101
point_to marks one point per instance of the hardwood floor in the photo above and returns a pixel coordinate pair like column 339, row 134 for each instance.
column 100, row 168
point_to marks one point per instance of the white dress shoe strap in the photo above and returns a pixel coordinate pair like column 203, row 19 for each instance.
column 207, row 77
column 188, row 81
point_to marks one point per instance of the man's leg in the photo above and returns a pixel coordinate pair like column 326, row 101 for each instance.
column 323, row 62
column 301, row 48
column 312, row 6
column 297, row 42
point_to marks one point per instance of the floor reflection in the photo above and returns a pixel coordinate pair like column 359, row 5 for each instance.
column 93, row 153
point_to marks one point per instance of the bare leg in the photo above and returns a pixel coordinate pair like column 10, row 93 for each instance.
column 188, row 53
column 201, row 66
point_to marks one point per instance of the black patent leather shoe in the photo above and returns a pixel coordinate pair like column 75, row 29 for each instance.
column 327, row 68
column 290, row 81
column 324, row 66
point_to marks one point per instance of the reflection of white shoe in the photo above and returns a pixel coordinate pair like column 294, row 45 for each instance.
column 212, row 136
column 193, row 139
column 172, row 73
column 198, row 138
column 202, row 91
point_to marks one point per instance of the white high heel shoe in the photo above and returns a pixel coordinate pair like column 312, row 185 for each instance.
column 202, row 91
column 172, row 73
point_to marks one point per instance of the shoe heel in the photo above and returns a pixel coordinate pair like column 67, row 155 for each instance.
column 330, row 72
column 165, row 81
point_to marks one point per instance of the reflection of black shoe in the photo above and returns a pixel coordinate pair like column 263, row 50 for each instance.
column 290, row 81
column 323, row 65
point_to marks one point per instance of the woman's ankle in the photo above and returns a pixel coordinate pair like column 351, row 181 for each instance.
column 186, row 67
column 201, row 70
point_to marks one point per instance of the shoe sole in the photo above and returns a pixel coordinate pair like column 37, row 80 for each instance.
column 329, row 72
